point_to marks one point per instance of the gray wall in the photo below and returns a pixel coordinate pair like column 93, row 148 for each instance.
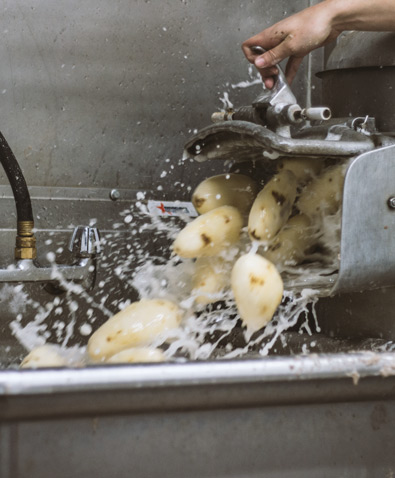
column 99, row 93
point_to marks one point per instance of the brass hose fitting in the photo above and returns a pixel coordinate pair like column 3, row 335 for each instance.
column 25, row 244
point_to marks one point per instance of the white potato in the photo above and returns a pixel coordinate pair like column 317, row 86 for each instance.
column 211, row 277
column 138, row 355
column 139, row 324
column 290, row 245
column 209, row 234
column 258, row 289
column 272, row 207
column 225, row 190
column 324, row 194
column 44, row 356
column 303, row 168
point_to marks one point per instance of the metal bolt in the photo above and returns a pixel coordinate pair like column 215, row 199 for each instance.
column 391, row 202
column 115, row 194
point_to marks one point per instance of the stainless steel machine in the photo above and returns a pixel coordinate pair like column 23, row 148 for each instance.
column 262, row 133
column 273, row 128
column 326, row 413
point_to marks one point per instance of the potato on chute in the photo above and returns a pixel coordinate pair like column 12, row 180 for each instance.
column 230, row 189
column 139, row 324
column 272, row 207
column 138, row 355
column 323, row 195
column 304, row 169
column 258, row 289
column 209, row 234
column 44, row 356
column 290, row 245
column 211, row 277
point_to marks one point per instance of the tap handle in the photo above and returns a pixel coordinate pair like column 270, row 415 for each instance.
column 85, row 241
column 281, row 91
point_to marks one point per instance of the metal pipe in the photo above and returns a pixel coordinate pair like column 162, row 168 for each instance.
column 195, row 374
column 27, row 271
column 321, row 113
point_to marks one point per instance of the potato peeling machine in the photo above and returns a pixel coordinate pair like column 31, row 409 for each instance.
column 276, row 127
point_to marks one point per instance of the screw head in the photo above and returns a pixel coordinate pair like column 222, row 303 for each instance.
column 115, row 194
column 391, row 202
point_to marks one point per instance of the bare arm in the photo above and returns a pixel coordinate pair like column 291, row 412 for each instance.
column 296, row 36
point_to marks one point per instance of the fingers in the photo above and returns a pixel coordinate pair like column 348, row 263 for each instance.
column 262, row 40
column 268, row 76
column 269, row 82
column 292, row 68
column 265, row 63
column 266, row 72
column 273, row 56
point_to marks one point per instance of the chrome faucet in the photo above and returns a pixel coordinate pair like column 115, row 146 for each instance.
column 84, row 244
column 85, row 247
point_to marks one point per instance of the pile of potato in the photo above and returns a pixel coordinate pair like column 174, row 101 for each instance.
column 282, row 220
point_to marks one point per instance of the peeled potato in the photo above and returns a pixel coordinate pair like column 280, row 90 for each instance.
column 291, row 243
column 43, row 356
column 136, row 325
column 138, row 355
column 230, row 189
column 209, row 234
column 272, row 207
column 258, row 290
column 211, row 277
column 304, row 169
column 324, row 194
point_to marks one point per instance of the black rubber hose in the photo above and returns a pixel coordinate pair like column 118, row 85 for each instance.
column 17, row 181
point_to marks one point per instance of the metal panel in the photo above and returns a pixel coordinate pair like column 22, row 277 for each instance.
column 367, row 247
column 346, row 440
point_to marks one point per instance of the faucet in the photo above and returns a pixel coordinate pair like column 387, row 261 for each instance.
column 84, row 244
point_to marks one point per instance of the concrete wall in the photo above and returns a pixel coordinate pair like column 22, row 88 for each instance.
column 100, row 93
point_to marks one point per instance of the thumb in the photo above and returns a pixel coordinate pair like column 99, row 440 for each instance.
column 273, row 56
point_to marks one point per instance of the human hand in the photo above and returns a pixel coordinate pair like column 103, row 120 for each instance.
column 293, row 38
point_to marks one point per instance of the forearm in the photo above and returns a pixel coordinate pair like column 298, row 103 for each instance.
column 296, row 36
column 362, row 15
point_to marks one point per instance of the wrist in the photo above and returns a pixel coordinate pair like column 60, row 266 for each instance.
column 378, row 15
column 339, row 15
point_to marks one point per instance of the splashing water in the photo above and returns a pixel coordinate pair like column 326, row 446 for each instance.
column 210, row 331
column 144, row 268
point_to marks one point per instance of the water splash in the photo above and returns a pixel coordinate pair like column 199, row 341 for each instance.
column 207, row 332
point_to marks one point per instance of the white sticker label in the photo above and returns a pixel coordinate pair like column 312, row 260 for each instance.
column 171, row 208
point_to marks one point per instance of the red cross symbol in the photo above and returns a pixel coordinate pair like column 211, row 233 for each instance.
column 163, row 209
